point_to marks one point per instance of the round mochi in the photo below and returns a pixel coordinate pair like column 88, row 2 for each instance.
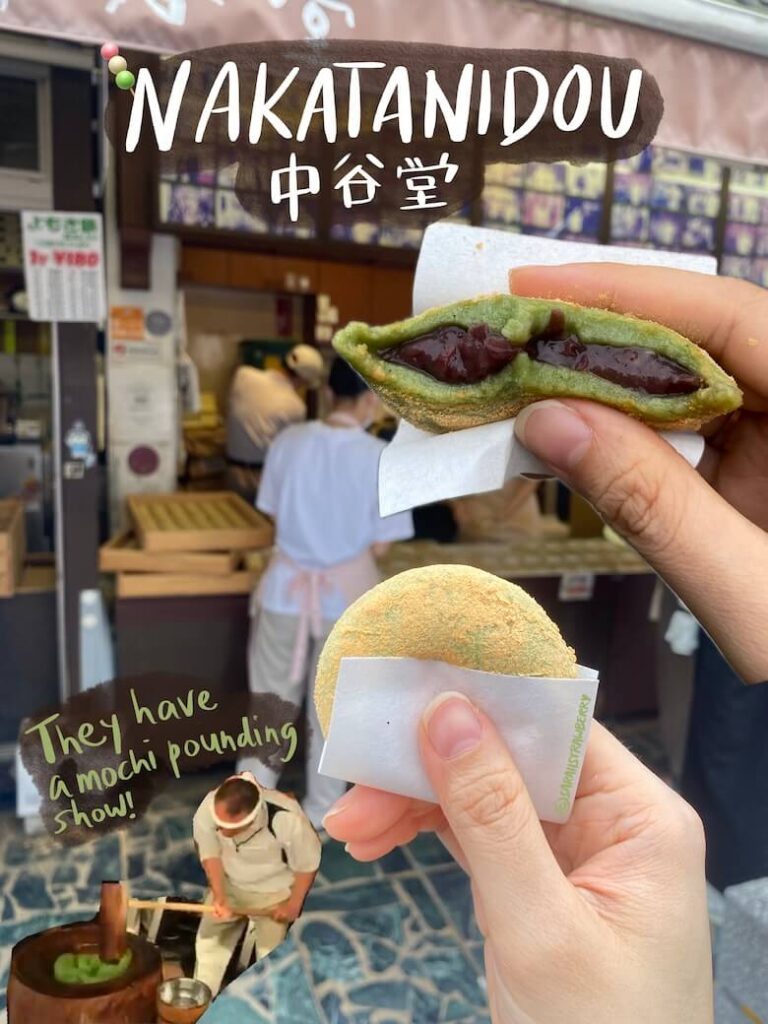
column 450, row 613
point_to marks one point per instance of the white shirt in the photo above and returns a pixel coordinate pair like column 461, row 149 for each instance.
column 253, row 861
column 261, row 404
column 320, row 484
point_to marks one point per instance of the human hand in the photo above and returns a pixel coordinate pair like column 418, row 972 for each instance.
column 599, row 920
column 286, row 911
column 703, row 532
column 221, row 910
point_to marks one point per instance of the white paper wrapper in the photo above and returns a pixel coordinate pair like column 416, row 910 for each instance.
column 373, row 736
column 459, row 262
column 418, row 468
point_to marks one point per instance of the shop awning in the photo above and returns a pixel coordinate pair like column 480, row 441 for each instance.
column 739, row 24
column 714, row 96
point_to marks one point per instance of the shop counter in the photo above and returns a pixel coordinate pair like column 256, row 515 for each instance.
column 597, row 591
column 29, row 674
column 546, row 556
column 204, row 637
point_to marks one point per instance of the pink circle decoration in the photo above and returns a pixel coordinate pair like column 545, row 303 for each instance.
column 110, row 50
column 144, row 461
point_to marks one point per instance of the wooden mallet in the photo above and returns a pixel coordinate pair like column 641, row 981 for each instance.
column 113, row 917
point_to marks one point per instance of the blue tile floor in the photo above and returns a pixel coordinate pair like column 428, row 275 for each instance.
column 385, row 943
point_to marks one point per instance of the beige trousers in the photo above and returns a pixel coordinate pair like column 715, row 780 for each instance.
column 216, row 940
column 270, row 656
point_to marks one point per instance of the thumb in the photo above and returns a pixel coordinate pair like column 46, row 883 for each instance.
column 637, row 482
column 491, row 816
column 685, row 529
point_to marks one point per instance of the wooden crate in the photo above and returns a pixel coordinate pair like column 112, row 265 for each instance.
column 123, row 554
column 182, row 585
column 198, row 521
column 13, row 542
column 37, row 579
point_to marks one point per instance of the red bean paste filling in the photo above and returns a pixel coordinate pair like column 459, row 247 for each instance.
column 467, row 355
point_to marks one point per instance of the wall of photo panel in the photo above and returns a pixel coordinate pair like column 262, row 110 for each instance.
column 662, row 198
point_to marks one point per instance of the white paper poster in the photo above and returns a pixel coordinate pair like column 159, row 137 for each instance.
column 144, row 404
column 64, row 266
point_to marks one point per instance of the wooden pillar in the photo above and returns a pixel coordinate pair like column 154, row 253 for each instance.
column 74, row 376
column 137, row 176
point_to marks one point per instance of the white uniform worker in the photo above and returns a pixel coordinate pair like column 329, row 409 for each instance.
column 320, row 484
column 261, row 404
column 258, row 850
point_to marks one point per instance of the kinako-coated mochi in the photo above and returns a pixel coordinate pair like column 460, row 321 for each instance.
column 485, row 359
column 449, row 613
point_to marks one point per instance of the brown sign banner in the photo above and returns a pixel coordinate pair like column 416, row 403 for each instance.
column 100, row 759
column 402, row 129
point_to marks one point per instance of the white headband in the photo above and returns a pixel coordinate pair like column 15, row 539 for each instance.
column 249, row 818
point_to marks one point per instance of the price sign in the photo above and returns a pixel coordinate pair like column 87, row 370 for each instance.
column 64, row 266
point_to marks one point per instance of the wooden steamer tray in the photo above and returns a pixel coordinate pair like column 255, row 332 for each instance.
column 534, row 558
column 123, row 554
column 12, row 546
column 198, row 521
column 160, row 584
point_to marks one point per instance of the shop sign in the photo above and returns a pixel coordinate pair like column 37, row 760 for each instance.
column 64, row 266
column 126, row 323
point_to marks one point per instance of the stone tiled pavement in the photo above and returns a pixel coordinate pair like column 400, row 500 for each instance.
column 384, row 943
column 387, row 943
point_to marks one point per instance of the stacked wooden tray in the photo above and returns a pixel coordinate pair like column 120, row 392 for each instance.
column 186, row 544
column 12, row 546
column 540, row 557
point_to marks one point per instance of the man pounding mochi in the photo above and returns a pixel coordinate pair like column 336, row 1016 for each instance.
column 320, row 485
column 258, row 850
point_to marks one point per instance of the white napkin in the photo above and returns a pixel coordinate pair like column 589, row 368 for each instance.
column 418, row 468
column 460, row 262
column 379, row 703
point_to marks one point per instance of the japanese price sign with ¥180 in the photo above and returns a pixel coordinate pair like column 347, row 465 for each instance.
column 64, row 266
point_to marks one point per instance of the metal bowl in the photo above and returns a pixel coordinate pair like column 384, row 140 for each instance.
column 184, row 994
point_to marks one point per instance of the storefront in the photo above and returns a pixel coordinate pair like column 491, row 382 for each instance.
column 192, row 275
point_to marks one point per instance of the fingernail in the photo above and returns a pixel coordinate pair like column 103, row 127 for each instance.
column 554, row 432
column 341, row 805
column 527, row 268
column 452, row 725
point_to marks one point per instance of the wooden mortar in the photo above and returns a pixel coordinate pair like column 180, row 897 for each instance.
column 35, row 997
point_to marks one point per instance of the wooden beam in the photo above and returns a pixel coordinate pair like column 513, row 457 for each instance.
column 137, row 187
column 74, row 358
